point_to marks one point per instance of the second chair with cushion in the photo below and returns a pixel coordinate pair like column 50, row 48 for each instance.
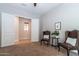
column 46, row 37
column 71, row 41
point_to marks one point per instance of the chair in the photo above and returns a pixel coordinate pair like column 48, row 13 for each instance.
column 71, row 41
column 46, row 37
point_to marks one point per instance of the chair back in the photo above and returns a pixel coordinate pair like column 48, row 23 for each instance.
column 47, row 33
column 73, row 34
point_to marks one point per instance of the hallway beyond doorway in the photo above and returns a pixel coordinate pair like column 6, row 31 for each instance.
column 24, row 30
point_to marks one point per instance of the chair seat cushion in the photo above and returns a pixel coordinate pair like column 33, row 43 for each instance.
column 71, row 41
column 46, row 36
column 66, row 45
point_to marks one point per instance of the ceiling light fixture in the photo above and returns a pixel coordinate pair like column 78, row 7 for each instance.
column 35, row 4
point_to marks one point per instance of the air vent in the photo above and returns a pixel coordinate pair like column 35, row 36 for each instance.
column 35, row 4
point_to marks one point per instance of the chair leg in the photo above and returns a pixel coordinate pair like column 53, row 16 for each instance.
column 78, row 52
column 48, row 43
column 58, row 47
column 41, row 42
column 67, row 52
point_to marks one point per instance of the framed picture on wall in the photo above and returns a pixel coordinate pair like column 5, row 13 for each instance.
column 58, row 25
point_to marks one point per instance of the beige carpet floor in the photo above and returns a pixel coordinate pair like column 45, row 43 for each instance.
column 32, row 49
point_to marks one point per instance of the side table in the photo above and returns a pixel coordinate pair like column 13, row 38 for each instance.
column 56, row 41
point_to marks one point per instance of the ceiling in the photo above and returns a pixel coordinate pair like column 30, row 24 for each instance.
column 39, row 10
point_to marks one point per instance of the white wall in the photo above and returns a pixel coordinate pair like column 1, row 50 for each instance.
column 9, row 29
column 17, row 28
column 0, row 29
column 67, row 14
column 35, row 30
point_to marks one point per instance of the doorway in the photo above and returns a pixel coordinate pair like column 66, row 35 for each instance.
column 24, row 30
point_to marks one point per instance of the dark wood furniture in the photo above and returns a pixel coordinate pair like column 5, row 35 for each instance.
column 56, row 41
column 45, row 39
column 67, row 46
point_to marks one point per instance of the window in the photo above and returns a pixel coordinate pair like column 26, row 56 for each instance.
column 26, row 26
